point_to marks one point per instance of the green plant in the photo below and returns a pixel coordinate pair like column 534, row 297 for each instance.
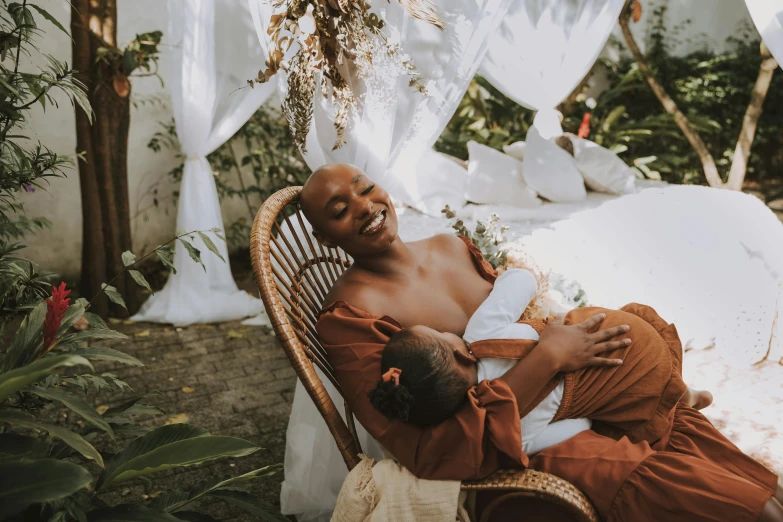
column 263, row 147
column 487, row 238
column 47, row 470
column 711, row 88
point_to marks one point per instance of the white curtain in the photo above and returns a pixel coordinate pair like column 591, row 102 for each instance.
column 768, row 17
column 206, row 73
column 394, row 125
column 543, row 50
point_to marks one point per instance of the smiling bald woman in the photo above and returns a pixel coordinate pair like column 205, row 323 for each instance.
column 691, row 473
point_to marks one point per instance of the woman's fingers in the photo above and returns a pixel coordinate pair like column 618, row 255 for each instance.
column 591, row 323
column 558, row 320
column 604, row 335
column 603, row 361
column 612, row 345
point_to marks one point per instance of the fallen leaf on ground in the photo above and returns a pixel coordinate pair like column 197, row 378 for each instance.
column 129, row 321
column 114, row 320
column 179, row 418
column 235, row 334
column 143, row 333
column 187, row 389
column 102, row 408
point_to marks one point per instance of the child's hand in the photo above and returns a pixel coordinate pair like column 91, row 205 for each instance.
column 574, row 347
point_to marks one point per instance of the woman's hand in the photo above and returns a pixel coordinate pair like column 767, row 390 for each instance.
column 573, row 347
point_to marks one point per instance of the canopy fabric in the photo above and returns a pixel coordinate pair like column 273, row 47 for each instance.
column 768, row 17
column 394, row 125
column 544, row 48
column 205, row 72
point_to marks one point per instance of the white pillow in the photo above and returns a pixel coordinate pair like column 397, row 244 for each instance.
column 551, row 171
column 602, row 170
column 516, row 150
column 440, row 181
column 495, row 178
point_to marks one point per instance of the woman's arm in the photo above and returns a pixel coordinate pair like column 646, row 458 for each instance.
column 562, row 348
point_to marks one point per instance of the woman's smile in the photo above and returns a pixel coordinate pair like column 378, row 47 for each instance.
column 374, row 224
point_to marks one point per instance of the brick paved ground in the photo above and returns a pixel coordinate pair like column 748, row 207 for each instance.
column 231, row 380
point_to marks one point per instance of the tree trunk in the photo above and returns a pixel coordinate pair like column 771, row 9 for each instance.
column 707, row 161
column 104, row 173
column 739, row 163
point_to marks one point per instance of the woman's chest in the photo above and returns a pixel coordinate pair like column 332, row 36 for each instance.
column 444, row 301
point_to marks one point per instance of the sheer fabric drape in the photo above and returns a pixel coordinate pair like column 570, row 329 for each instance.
column 214, row 51
column 768, row 17
column 544, row 48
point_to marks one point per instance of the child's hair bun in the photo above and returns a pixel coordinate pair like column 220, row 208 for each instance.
column 393, row 400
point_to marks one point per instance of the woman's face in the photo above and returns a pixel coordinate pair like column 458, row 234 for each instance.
column 348, row 210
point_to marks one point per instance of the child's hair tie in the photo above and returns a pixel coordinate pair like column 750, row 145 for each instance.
column 392, row 374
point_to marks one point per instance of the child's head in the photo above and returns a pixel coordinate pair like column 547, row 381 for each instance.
column 426, row 376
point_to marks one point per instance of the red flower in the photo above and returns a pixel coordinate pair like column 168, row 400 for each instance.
column 55, row 311
column 584, row 128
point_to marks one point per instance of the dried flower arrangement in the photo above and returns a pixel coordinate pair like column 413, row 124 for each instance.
column 330, row 35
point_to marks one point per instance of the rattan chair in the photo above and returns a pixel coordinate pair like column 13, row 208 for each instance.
column 293, row 273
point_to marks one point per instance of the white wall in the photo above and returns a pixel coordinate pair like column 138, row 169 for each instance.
column 711, row 22
column 59, row 249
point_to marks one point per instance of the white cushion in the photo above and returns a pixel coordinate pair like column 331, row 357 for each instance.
column 551, row 171
column 601, row 169
column 516, row 150
column 495, row 178
column 440, row 181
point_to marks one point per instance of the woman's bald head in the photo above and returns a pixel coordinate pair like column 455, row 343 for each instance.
column 348, row 210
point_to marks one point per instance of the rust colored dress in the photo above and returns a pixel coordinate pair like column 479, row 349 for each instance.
column 691, row 473
column 634, row 399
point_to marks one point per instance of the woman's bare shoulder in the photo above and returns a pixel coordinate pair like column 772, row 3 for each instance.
column 356, row 288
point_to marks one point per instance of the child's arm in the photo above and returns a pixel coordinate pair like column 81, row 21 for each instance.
column 497, row 316
column 554, row 434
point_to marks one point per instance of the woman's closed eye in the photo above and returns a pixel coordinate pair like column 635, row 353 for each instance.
column 340, row 212
column 368, row 190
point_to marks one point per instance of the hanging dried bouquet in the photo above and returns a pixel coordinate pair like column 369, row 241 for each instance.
column 331, row 34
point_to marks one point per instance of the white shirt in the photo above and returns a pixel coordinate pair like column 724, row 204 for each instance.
column 496, row 319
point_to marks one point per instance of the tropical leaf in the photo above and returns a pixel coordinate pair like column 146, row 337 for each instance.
column 251, row 504
column 43, row 12
column 194, row 253
column 25, row 482
column 27, row 339
column 129, row 513
column 15, row 380
column 95, row 320
column 194, row 516
column 74, row 313
column 92, row 334
column 210, row 245
column 140, row 280
column 113, row 295
column 75, row 404
column 166, row 256
column 128, row 258
column 175, row 500
column 168, row 447
column 15, row 446
column 108, row 354
column 125, row 406
column 74, row 440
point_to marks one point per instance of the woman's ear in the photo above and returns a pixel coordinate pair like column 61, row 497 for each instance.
column 322, row 240
column 464, row 358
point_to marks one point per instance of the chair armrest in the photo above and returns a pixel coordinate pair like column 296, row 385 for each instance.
column 538, row 484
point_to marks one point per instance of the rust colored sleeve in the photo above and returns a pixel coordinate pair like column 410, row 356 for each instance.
column 469, row 445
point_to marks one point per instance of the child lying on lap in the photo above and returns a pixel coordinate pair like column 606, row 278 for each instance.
column 427, row 374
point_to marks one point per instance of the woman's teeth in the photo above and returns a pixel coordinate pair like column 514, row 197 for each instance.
column 375, row 225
